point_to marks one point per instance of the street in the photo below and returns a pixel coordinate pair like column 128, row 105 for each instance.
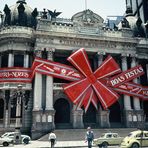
column 60, row 144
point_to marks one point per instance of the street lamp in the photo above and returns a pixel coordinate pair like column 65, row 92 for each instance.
column 19, row 95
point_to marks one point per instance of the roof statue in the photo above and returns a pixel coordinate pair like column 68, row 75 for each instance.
column 44, row 16
column 34, row 15
column 21, row 1
column 125, row 23
column 53, row 14
column 7, row 12
column 22, row 17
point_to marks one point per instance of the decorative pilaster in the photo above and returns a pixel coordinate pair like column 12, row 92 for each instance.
column 77, row 119
column 38, row 88
column 136, row 100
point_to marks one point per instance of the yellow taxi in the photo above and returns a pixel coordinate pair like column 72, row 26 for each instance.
column 135, row 139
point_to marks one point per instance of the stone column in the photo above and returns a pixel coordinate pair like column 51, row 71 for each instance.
column 38, row 88
column 37, row 127
column 102, row 115
column 100, row 57
column 138, row 113
column 49, row 110
column 10, row 59
column 26, row 60
column 136, row 100
column 49, row 84
column 127, row 101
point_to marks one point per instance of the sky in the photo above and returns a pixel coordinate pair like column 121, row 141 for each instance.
column 68, row 8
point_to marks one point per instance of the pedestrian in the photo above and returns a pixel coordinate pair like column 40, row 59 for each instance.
column 52, row 138
column 89, row 137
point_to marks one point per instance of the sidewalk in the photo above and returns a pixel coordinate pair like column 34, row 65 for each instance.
column 46, row 144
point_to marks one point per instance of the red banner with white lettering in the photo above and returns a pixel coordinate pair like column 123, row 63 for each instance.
column 16, row 74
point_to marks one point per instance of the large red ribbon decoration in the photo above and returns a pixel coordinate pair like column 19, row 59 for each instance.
column 86, row 87
column 91, row 87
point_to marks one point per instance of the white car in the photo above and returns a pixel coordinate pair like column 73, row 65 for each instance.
column 108, row 139
column 5, row 141
column 24, row 138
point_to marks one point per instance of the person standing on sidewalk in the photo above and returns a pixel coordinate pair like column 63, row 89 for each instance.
column 89, row 137
column 52, row 138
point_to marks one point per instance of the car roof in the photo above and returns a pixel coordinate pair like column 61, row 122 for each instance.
column 138, row 131
column 110, row 133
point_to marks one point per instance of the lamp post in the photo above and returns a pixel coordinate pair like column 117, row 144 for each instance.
column 19, row 95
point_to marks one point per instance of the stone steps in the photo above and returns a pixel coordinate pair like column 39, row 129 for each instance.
column 79, row 134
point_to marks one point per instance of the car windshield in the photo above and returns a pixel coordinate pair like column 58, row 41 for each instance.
column 130, row 135
column 4, row 135
column 102, row 135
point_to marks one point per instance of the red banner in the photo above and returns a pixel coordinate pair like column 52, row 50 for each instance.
column 16, row 74
column 126, row 76
column 55, row 69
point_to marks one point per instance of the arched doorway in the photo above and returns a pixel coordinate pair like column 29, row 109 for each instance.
column 115, row 115
column 62, row 114
column 89, row 118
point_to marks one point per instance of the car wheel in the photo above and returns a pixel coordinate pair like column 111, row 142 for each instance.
column 26, row 140
column 5, row 144
column 135, row 145
column 104, row 144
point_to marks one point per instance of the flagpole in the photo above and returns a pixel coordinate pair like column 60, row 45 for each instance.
column 85, row 4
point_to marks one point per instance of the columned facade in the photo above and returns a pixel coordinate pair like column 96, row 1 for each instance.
column 48, row 106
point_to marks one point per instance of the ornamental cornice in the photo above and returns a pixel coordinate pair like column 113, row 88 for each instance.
column 16, row 32
column 142, row 56
column 44, row 40
column 6, row 86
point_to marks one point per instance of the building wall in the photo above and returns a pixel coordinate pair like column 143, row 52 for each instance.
column 57, row 40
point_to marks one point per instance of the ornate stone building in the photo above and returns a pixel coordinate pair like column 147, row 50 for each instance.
column 25, row 34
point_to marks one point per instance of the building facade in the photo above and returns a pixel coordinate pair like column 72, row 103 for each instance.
column 25, row 35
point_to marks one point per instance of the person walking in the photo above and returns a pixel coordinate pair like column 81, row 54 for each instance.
column 89, row 137
column 52, row 138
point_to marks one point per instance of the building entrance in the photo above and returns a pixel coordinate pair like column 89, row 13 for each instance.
column 115, row 115
column 62, row 108
column 89, row 118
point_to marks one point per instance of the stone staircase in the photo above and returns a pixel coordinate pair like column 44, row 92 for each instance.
column 79, row 134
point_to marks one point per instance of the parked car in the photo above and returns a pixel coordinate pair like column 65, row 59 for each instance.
column 108, row 139
column 5, row 141
column 135, row 139
column 24, row 138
